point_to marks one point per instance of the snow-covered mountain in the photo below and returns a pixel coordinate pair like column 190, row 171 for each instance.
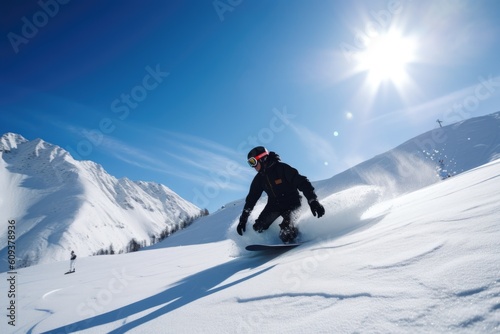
column 427, row 261
column 60, row 204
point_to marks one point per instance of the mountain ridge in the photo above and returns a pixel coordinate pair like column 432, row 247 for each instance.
column 427, row 158
column 61, row 204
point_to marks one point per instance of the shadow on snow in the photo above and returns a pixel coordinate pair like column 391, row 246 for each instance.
column 188, row 290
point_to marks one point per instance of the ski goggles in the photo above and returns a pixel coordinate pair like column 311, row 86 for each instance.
column 253, row 161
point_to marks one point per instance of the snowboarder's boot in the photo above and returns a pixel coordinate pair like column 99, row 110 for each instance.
column 288, row 232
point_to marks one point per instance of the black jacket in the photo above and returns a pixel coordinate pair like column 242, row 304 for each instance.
column 282, row 183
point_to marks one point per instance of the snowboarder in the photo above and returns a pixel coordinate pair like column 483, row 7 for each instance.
column 282, row 183
column 72, row 262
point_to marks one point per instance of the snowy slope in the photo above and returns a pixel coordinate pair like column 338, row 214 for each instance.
column 424, row 262
column 60, row 204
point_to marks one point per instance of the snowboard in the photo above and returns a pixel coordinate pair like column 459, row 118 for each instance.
column 69, row 272
column 261, row 247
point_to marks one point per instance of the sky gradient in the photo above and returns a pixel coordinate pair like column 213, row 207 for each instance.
column 177, row 92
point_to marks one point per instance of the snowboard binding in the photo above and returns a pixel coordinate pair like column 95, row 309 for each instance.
column 288, row 233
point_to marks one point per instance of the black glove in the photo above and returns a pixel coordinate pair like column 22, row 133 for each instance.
column 243, row 222
column 317, row 208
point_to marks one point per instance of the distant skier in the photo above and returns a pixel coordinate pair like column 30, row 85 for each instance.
column 282, row 183
column 72, row 262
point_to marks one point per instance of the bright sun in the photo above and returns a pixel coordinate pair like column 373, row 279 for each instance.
column 386, row 57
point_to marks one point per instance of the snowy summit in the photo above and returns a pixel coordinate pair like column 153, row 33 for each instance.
column 61, row 204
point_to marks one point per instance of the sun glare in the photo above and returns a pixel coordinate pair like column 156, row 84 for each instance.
column 385, row 59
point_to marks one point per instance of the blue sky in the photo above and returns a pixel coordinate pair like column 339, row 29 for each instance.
column 177, row 92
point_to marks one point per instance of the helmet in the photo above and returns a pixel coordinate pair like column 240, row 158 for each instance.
column 256, row 154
